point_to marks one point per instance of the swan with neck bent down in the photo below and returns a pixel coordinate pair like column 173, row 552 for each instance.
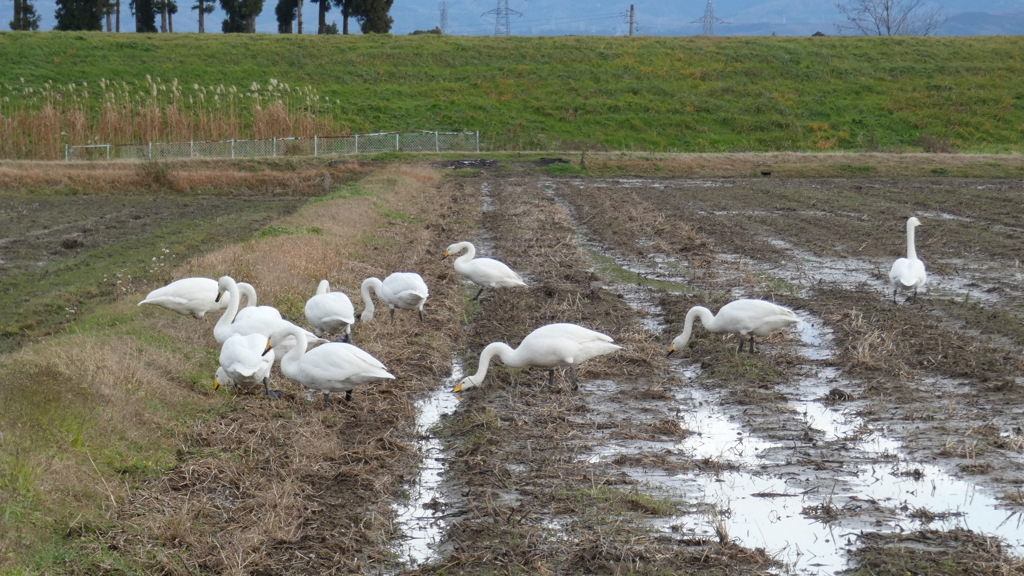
column 404, row 290
column 245, row 361
column 191, row 296
column 264, row 324
column 745, row 317
column 908, row 273
column 330, row 312
column 484, row 272
column 549, row 346
column 331, row 367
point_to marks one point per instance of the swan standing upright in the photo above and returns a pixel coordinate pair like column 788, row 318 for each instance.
column 330, row 312
column 245, row 360
column 331, row 367
column 743, row 317
column 193, row 296
column 549, row 346
column 405, row 290
column 484, row 272
column 908, row 273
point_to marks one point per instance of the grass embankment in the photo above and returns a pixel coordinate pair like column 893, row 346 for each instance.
column 690, row 94
column 96, row 408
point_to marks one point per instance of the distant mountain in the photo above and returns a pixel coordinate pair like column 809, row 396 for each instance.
column 603, row 18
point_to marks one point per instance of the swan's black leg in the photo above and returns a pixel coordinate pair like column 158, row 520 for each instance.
column 751, row 343
column 421, row 316
column 742, row 342
column 477, row 297
column 392, row 314
column 575, row 379
column 551, row 377
column 348, row 395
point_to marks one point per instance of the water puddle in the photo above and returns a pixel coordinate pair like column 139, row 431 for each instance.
column 420, row 520
column 768, row 492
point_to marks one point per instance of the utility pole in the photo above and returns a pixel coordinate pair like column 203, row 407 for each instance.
column 444, row 16
column 709, row 20
column 632, row 19
column 501, row 14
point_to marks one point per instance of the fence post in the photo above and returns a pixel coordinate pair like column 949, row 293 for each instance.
column 191, row 148
column 150, row 150
column 357, row 143
column 437, row 141
column 273, row 147
column 108, row 151
column 314, row 145
column 398, row 145
column 67, row 152
column 232, row 148
column 478, row 141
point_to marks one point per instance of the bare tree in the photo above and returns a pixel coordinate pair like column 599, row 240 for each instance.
column 890, row 18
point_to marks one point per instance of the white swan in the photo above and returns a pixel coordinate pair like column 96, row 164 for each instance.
column 194, row 296
column 263, row 324
column 330, row 312
column 330, row 367
column 405, row 290
column 908, row 273
column 244, row 361
column 549, row 346
column 484, row 272
column 741, row 317
column 251, row 308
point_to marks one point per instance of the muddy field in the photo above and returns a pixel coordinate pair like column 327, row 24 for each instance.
column 874, row 424
column 876, row 437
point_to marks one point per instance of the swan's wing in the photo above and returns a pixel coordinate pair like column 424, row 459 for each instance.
column 907, row 273
column 321, row 307
column 492, row 273
column 340, row 362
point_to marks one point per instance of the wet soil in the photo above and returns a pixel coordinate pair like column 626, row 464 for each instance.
column 874, row 419
column 875, row 430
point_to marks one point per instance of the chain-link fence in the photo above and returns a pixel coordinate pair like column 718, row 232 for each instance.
column 413, row 141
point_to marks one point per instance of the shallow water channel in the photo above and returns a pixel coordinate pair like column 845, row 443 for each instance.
column 767, row 492
column 420, row 518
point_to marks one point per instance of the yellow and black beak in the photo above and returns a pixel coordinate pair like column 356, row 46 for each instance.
column 216, row 384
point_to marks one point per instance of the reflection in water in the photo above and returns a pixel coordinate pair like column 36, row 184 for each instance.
column 419, row 519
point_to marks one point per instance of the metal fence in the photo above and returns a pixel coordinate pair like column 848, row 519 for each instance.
column 412, row 141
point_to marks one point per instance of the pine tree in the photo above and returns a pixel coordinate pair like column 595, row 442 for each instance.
column 79, row 15
column 25, row 17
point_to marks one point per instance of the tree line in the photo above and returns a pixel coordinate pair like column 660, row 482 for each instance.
column 371, row 15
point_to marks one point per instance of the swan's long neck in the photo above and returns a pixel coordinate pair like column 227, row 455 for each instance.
column 911, row 251
column 499, row 349
column 364, row 291
column 469, row 255
column 249, row 292
column 229, row 314
column 706, row 318
column 289, row 360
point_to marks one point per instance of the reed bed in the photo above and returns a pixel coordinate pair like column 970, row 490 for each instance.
column 35, row 122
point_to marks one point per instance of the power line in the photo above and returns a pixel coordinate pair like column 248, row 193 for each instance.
column 709, row 20
column 501, row 14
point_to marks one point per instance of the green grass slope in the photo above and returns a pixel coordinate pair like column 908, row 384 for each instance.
column 685, row 94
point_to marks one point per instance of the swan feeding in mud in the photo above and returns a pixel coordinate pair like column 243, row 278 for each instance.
column 330, row 367
column 908, row 273
column 404, row 290
column 245, row 360
column 549, row 346
column 330, row 312
column 745, row 317
column 484, row 272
